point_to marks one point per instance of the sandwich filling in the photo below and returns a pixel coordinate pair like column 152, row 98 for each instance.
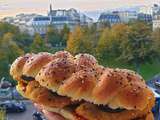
column 27, row 78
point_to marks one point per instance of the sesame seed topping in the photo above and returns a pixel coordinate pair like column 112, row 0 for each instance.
column 82, row 81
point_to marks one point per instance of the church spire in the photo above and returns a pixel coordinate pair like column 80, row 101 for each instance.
column 50, row 13
column 50, row 7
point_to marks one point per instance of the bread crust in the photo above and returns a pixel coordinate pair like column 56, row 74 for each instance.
column 93, row 112
column 35, row 63
column 84, row 61
column 17, row 66
column 82, row 78
column 79, row 86
column 87, row 111
column 122, row 88
column 55, row 72
column 41, row 95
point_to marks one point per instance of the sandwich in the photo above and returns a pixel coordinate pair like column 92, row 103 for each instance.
column 78, row 88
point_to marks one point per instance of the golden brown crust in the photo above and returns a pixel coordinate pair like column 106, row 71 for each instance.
column 35, row 63
column 84, row 61
column 41, row 95
column 122, row 88
column 79, row 86
column 62, row 54
column 108, row 86
column 17, row 66
column 60, row 72
column 55, row 72
column 93, row 112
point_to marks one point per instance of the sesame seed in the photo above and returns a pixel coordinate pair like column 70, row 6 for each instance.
column 82, row 81
column 42, row 80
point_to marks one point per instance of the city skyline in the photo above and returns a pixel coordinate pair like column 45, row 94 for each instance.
column 11, row 8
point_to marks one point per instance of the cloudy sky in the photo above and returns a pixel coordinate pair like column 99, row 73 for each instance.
column 12, row 7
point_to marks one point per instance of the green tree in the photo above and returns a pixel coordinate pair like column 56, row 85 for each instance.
column 75, row 43
column 103, row 25
column 53, row 37
column 119, row 34
column 110, row 40
column 8, row 48
column 9, row 51
column 102, row 49
column 23, row 40
column 89, row 39
column 65, row 34
column 138, row 48
column 6, row 27
column 38, row 44
column 156, row 40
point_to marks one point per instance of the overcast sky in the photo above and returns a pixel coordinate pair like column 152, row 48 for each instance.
column 12, row 7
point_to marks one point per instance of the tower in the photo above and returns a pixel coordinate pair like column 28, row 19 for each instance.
column 50, row 9
column 50, row 13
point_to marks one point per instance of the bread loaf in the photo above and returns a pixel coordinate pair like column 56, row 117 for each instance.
column 78, row 78
column 61, row 79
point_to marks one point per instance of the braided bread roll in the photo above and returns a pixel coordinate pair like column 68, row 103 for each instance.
column 31, row 89
column 79, row 78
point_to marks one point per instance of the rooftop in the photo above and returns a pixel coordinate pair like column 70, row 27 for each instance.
column 108, row 16
column 42, row 18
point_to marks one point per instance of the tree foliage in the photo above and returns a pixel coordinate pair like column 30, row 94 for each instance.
column 23, row 40
column 102, row 49
column 92, row 35
column 109, row 44
column 53, row 37
column 38, row 44
column 6, row 27
column 156, row 40
column 83, row 39
column 138, row 48
column 64, row 34
column 9, row 51
column 75, row 43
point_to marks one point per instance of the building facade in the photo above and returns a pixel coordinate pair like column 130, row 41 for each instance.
column 126, row 16
column 33, row 23
column 21, row 21
column 38, row 25
column 110, row 18
column 145, row 17
column 152, row 9
column 156, row 21
column 85, row 20
column 71, row 17
column 58, row 18
column 115, row 17
column 61, row 17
